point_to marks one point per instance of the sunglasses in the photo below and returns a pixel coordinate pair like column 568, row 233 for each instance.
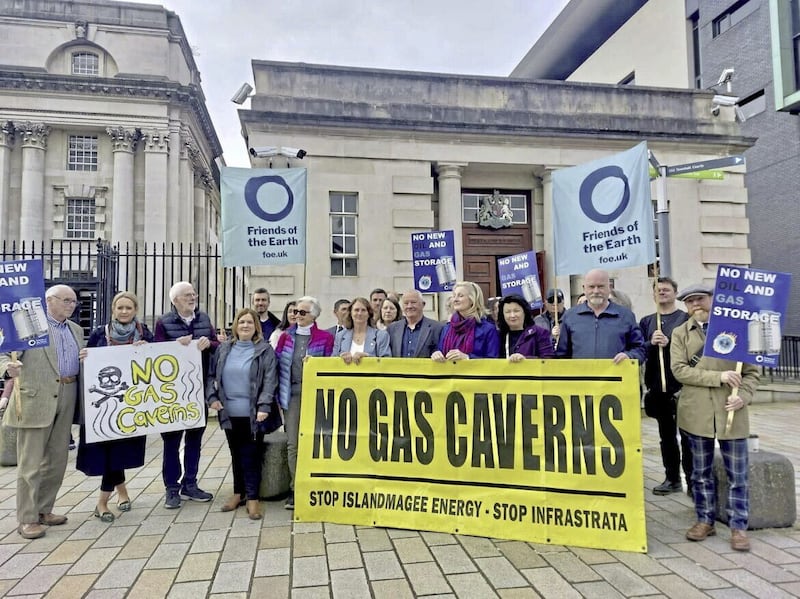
column 300, row 312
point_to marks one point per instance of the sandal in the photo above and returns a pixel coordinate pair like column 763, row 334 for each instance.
column 124, row 506
column 106, row 517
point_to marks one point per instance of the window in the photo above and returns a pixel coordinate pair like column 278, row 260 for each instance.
column 471, row 204
column 752, row 105
column 80, row 218
column 696, row 62
column 344, row 234
column 732, row 16
column 85, row 63
column 82, row 153
column 795, row 8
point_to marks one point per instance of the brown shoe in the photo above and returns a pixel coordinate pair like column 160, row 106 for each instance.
column 32, row 530
column 52, row 519
column 233, row 502
column 700, row 531
column 739, row 540
column 253, row 509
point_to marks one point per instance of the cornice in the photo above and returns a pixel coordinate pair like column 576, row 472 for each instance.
column 167, row 91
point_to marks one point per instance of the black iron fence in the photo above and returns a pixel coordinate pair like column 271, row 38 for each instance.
column 789, row 363
column 96, row 270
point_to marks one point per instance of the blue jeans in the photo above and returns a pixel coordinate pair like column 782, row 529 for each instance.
column 171, row 463
column 704, row 489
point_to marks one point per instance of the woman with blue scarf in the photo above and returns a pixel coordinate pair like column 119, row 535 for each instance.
column 110, row 459
column 468, row 334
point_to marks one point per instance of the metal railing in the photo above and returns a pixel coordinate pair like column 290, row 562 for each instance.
column 97, row 270
column 789, row 362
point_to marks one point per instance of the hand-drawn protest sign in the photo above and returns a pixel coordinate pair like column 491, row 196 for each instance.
column 545, row 451
column 747, row 314
column 520, row 275
column 434, row 260
column 134, row 390
column 23, row 322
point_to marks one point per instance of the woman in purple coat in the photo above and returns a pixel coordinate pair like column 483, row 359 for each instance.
column 519, row 337
column 110, row 459
column 468, row 334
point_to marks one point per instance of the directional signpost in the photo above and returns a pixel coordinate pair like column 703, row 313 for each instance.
column 691, row 169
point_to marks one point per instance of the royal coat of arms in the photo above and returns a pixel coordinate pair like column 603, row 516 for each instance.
column 495, row 211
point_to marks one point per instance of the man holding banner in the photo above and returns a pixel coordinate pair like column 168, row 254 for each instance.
column 47, row 381
column 712, row 388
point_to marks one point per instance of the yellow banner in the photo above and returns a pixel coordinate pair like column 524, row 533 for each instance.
column 547, row 451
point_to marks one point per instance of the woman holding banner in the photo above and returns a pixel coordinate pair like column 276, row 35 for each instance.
column 359, row 340
column 110, row 459
column 303, row 340
column 520, row 338
column 241, row 387
column 468, row 333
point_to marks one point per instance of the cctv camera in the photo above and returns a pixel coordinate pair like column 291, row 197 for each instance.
column 242, row 93
column 726, row 77
column 721, row 100
column 264, row 152
column 293, row 152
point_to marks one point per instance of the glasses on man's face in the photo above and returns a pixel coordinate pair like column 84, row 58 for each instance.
column 67, row 300
column 300, row 312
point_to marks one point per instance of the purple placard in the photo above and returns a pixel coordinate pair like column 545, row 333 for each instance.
column 434, row 260
column 23, row 320
column 519, row 276
column 747, row 315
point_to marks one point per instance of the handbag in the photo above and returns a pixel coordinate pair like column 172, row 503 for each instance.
column 272, row 422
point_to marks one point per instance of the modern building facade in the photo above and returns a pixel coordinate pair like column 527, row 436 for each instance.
column 391, row 153
column 693, row 44
column 105, row 132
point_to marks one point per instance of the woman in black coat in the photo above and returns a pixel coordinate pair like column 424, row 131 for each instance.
column 110, row 459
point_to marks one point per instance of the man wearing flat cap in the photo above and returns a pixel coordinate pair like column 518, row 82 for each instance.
column 553, row 304
column 706, row 399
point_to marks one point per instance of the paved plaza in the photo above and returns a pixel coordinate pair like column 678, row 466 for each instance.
column 198, row 551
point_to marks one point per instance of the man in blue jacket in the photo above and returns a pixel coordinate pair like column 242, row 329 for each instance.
column 599, row 328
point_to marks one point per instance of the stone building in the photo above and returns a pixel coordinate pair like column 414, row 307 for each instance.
column 105, row 131
column 694, row 44
column 391, row 153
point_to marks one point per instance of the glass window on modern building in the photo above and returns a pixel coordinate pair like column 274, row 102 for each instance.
column 82, row 153
column 344, row 234
column 733, row 15
column 785, row 25
column 79, row 219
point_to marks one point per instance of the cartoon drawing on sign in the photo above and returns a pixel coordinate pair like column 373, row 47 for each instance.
column 724, row 343
column 111, row 385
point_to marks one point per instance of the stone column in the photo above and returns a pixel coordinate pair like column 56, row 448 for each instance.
column 201, row 177
column 34, row 143
column 156, row 152
column 122, row 203
column 189, row 153
column 173, row 185
column 449, row 176
column 8, row 229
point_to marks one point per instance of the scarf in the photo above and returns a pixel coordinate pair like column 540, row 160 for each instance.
column 460, row 334
column 123, row 334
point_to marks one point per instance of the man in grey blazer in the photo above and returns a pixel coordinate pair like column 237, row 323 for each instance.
column 414, row 335
column 47, row 379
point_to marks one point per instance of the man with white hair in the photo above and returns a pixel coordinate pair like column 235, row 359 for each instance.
column 47, row 379
column 414, row 335
column 183, row 324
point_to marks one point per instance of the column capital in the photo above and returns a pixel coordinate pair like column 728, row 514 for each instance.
column 452, row 170
column 7, row 134
column 123, row 140
column 156, row 141
column 34, row 135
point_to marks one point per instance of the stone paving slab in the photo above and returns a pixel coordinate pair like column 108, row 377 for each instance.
column 198, row 551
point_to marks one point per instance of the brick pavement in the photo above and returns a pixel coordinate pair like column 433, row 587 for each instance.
column 198, row 551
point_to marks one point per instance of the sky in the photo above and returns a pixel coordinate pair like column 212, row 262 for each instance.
column 473, row 37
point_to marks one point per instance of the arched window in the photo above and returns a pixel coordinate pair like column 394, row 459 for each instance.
column 85, row 63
